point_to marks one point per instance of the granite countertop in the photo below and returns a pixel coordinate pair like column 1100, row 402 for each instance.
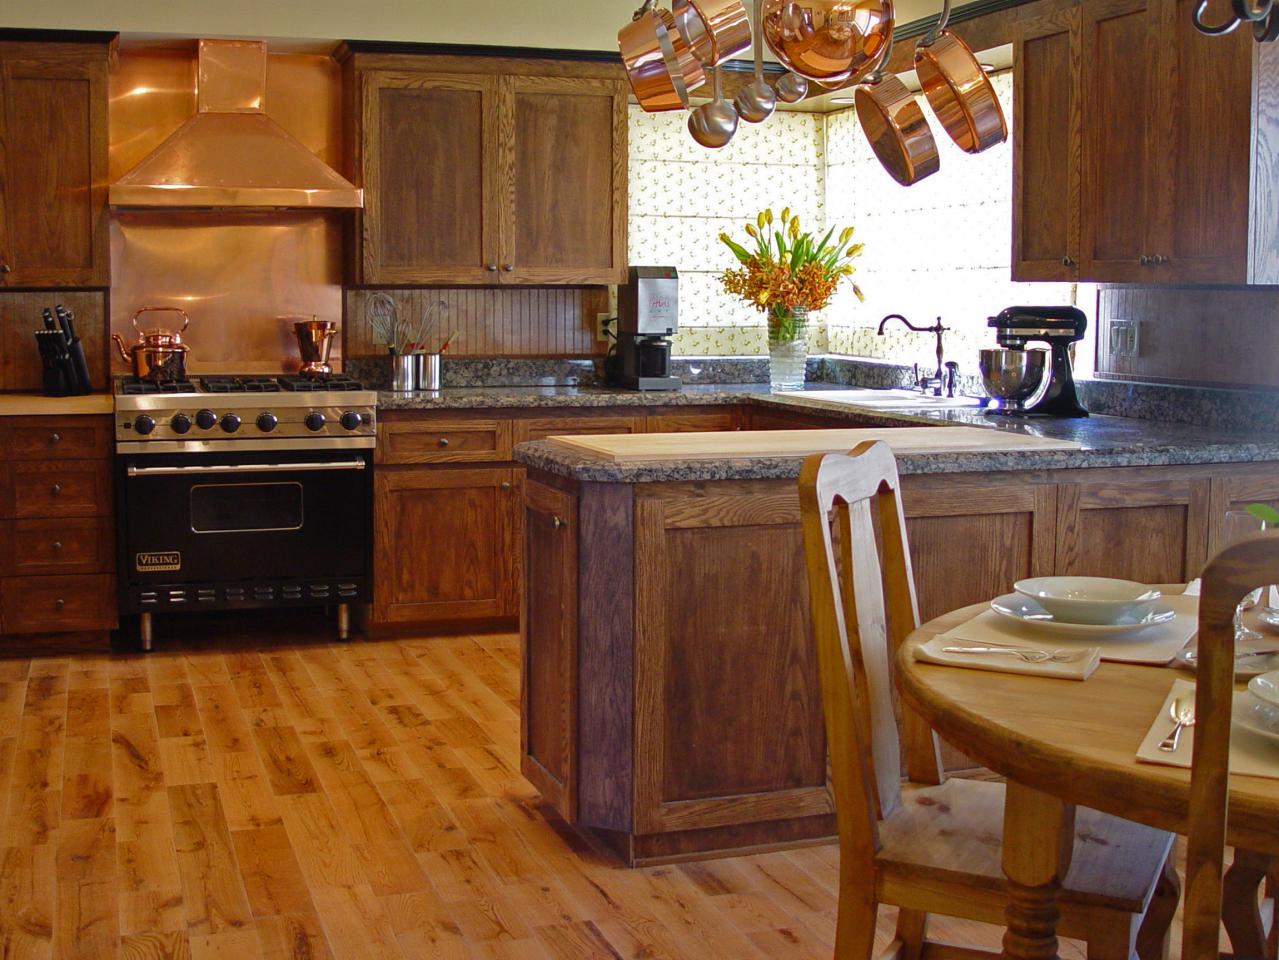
column 533, row 398
column 38, row 405
column 1105, row 442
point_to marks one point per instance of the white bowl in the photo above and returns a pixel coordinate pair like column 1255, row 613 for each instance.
column 1266, row 687
column 1090, row 599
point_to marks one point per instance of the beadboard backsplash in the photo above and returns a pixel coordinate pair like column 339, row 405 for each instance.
column 492, row 322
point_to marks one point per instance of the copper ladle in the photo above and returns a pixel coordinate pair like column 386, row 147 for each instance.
column 714, row 124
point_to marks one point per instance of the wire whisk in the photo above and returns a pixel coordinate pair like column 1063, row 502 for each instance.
column 402, row 336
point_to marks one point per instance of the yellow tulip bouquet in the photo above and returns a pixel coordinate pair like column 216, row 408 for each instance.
column 789, row 272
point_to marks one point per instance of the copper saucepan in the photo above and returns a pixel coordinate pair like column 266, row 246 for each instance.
column 715, row 30
column 958, row 89
column 659, row 63
column 895, row 126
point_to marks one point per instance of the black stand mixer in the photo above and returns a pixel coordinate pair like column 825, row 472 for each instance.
column 1015, row 376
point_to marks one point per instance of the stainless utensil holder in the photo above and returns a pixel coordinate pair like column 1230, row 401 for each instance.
column 427, row 371
column 403, row 372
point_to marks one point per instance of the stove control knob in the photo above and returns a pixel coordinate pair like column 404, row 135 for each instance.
column 230, row 423
column 144, row 424
column 206, row 419
column 352, row 420
column 267, row 422
column 180, row 423
column 314, row 421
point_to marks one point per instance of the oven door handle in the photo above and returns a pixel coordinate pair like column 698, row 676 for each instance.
column 246, row 468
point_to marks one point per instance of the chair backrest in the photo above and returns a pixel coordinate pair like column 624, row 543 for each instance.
column 857, row 633
column 1227, row 579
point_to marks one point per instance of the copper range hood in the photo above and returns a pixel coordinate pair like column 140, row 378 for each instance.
column 231, row 154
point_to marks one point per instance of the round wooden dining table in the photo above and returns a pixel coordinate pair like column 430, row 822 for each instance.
column 1061, row 743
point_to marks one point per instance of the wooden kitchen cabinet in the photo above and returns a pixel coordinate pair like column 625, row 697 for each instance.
column 480, row 171
column 53, row 189
column 1140, row 148
column 548, row 673
column 447, row 544
column 539, row 428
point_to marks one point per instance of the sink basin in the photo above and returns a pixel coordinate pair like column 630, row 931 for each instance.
column 886, row 399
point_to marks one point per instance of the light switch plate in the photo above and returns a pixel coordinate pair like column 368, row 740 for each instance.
column 1125, row 339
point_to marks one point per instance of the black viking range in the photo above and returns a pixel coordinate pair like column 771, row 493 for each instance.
column 243, row 492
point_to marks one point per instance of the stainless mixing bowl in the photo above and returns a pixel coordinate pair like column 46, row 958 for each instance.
column 1012, row 376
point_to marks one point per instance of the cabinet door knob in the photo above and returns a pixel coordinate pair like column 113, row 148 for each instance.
column 1159, row 259
column 1146, row 261
column 491, row 267
column 57, row 545
column 444, row 441
column 5, row 268
column 1067, row 261
column 508, row 267
column 56, row 489
column 59, row 603
column 557, row 523
column 54, row 438
column 505, row 485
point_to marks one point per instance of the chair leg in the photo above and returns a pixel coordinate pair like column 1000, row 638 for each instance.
column 857, row 912
column 1155, row 934
column 1113, row 938
column 1240, row 912
column 912, row 930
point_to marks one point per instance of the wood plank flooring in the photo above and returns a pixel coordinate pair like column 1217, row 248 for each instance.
column 333, row 802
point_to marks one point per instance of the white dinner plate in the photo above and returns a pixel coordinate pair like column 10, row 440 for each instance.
column 1266, row 687
column 1256, row 715
column 1027, row 611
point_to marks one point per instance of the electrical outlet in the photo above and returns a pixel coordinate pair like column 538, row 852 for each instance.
column 600, row 320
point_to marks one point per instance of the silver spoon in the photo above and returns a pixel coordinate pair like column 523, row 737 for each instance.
column 756, row 102
column 792, row 88
column 1182, row 714
column 714, row 124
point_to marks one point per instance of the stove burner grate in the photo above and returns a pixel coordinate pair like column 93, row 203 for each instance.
column 325, row 384
column 239, row 385
column 138, row 388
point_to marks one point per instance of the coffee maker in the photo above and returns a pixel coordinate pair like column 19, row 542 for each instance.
column 648, row 315
column 1016, row 376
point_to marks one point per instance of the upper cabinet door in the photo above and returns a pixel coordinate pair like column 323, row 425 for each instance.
column 1046, row 153
column 430, row 194
column 53, row 225
column 1120, row 170
column 1204, row 145
column 564, row 168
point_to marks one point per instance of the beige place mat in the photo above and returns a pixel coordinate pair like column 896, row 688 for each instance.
column 1153, row 645
column 1081, row 669
column 1250, row 754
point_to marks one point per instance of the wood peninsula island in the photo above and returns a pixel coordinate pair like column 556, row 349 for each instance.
column 670, row 701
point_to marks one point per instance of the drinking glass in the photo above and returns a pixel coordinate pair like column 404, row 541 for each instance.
column 1240, row 524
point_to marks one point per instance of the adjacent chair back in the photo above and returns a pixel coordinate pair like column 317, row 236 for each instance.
column 1228, row 578
column 861, row 611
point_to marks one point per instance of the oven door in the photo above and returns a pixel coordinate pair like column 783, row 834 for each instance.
column 253, row 521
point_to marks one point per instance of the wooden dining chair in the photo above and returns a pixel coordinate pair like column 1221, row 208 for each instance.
column 928, row 846
column 1230, row 576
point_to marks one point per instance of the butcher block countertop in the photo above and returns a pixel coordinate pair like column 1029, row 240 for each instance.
column 38, row 405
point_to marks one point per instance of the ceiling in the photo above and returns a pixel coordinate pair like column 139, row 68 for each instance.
column 315, row 24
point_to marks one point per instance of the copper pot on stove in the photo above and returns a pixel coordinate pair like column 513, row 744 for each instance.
column 315, row 343
column 158, row 355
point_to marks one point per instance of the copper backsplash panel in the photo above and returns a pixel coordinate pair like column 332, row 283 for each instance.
column 511, row 322
column 1194, row 335
column 240, row 276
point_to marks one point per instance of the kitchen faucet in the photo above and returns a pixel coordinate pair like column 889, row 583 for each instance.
column 938, row 379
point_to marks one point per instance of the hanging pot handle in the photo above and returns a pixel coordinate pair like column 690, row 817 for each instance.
column 1245, row 12
column 876, row 76
column 186, row 321
column 1267, row 30
column 933, row 35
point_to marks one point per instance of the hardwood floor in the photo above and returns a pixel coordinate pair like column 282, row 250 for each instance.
column 338, row 801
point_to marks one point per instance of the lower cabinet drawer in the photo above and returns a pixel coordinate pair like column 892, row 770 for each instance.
column 443, row 441
column 72, row 488
column 57, row 604
column 72, row 545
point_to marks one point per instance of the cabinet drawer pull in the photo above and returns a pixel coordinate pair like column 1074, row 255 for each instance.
column 56, row 489
column 505, row 485
column 57, row 545
column 4, row 268
column 54, row 438
column 59, row 603
column 444, row 441
column 557, row 523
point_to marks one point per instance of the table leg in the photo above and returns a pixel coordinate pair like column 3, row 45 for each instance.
column 1039, row 837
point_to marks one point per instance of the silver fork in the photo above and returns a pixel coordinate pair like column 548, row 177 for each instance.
column 1022, row 653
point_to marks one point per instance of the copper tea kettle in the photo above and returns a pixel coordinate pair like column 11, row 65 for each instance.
column 159, row 355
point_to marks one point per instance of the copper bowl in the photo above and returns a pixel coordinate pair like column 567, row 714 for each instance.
column 659, row 64
column 830, row 41
column 715, row 30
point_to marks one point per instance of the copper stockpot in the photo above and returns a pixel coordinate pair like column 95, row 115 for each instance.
column 158, row 355
column 958, row 89
column 715, row 30
column 829, row 41
column 660, row 65
column 895, row 126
